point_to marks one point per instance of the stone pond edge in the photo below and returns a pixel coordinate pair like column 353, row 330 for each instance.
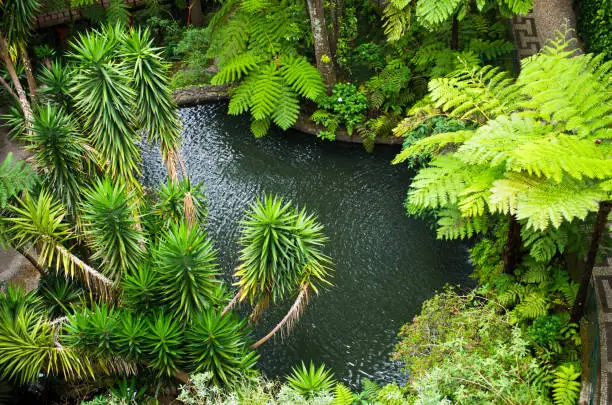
column 196, row 95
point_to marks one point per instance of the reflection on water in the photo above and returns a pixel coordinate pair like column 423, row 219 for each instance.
column 385, row 263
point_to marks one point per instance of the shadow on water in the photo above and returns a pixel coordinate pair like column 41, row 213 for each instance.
column 385, row 263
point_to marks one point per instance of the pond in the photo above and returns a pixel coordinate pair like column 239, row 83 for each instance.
column 386, row 264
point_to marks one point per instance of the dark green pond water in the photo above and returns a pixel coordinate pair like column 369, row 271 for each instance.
column 385, row 263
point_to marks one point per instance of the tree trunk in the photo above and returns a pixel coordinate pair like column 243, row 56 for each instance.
column 23, row 100
column 29, row 75
column 32, row 261
column 8, row 88
column 196, row 17
column 512, row 250
column 601, row 223
column 325, row 61
column 334, row 33
column 291, row 317
column 455, row 34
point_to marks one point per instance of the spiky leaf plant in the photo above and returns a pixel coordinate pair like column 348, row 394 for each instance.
column 310, row 381
column 186, row 265
column 93, row 330
column 59, row 152
column 59, row 294
column 170, row 205
column 104, row 100
column 28, row 344
column 141, row 288
column 281, row 247
column 38, row 222
column 163, row 344
column 111, row 227
column 56, row 83
column 130, row 335
column 218, row 344
column 156, row 111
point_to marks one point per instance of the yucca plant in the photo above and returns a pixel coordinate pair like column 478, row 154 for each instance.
column 141, row 288
column 170, row 206
column 186, row 266
column 156, row 111
column 39, row 222
column 59, row 152
column 218, row 344
column 281, row 255
column 104, row 100
column 279, row 245
column 163, row 344
column 56, row 80
column 310, row 381
column 59, row 295
column 28, row 344
column 130, row 335
column 111, row 228
column 92, row 331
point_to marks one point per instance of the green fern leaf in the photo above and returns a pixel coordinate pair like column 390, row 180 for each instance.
column 342, row 395
column 566, row 387
column 287, row 108
column 303, row 78
column 235, row 69
column 14, row 178
column 266, row 91
column 260, row 128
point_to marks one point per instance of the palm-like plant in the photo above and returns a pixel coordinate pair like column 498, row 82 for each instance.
column 56, row 80
column 111, row 228
column 38, row 222
column 170, row 206
column 156, row 113
column 59, row 151
column 28, row 343
column 104, row 101
column 59, row 295
column 141, row 288
column 310, row 381
column 219, row 344
column 163, row 344
column 186, row 264
column 281, row 253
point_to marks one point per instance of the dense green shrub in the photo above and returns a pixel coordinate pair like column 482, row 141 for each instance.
column 595, row 25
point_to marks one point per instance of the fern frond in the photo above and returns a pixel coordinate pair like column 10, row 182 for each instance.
column 451, row 225
column 266, row 91
column 236, row 68
column 566, row 387
column 303, row 78
column 532, row 306
column 14, row 177
column 431, row 13
column 287, row 108
column 432, row 144
column 342, row 395
column 439, row 184
column 240, row 100
column 260, row 128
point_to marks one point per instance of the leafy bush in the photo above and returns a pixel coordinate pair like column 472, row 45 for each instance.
column 595, row 25
column 346, row 105
column 310, row 381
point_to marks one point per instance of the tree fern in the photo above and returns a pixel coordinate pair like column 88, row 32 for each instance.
column 302, row 77
column 566, row 387
column 14, row 177
column 236, row 68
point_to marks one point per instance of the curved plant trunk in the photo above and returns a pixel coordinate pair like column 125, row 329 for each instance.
column 21, row 95
column 27, row 65
column 231, row 304
column 292, row 316
column 325, row 59
column 601, row 223
column 8, row 89
column 32, row 260
column 512, row 250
